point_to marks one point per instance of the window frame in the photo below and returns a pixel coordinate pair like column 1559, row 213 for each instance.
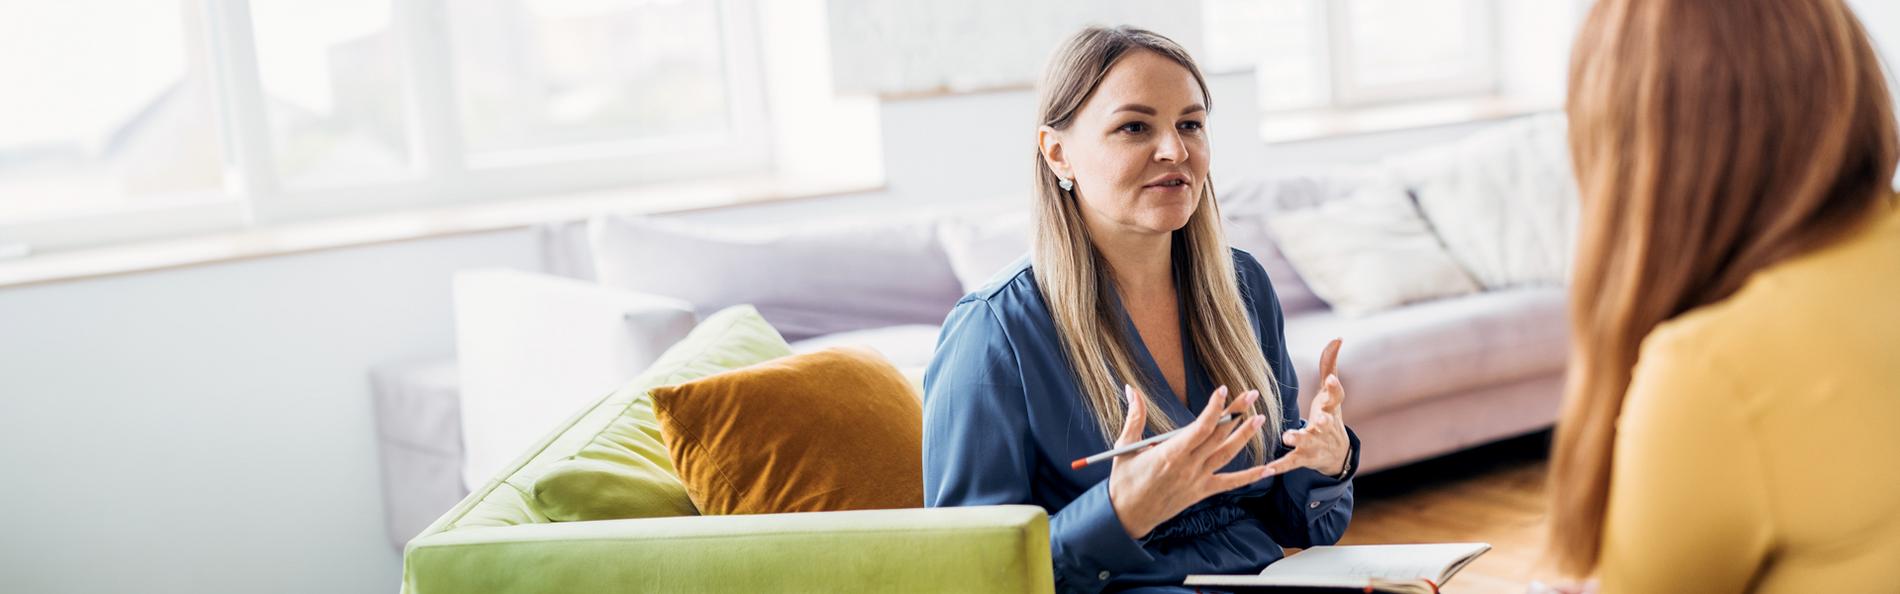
column 439, row 172
column 1480, row 78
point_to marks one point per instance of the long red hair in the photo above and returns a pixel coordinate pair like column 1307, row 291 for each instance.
column 1711, row 139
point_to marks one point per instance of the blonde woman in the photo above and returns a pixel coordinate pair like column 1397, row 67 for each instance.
column 1131, row 317
column 1733, row 417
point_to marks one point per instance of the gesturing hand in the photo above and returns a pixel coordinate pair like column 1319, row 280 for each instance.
column 1148, row 486
column 1322, row 445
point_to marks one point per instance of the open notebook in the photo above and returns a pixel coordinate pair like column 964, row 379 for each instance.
column 1402, row 569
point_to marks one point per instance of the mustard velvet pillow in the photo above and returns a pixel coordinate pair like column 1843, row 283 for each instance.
column 837, row 429
column 623, row 470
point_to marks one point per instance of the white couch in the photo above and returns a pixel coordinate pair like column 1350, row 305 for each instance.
column 1424, row 379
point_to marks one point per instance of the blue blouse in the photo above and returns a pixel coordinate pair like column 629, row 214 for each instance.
column 1004, row 416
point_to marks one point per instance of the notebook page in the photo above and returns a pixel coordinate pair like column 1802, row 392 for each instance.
column 1392, row 562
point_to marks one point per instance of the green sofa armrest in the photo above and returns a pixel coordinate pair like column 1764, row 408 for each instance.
column 954, row 549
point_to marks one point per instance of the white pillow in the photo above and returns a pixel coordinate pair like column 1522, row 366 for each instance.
column 1251, row 202
column 1368, row 251
column 981, row 246
column 809, row 282
column 1250, row 232
column 1503, row 200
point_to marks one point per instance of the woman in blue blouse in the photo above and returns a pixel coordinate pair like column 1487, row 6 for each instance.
column 1134, row 318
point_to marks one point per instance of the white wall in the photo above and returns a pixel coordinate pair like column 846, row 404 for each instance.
column 977, row 150
column 208, row 429
column 1881, row 18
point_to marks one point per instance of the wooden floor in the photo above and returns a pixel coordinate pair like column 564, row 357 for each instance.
column 1492, row 494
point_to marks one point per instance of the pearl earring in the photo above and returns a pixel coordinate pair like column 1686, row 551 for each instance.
column 1067, row 184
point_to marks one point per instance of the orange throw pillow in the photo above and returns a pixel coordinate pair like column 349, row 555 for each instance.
column 837, row 429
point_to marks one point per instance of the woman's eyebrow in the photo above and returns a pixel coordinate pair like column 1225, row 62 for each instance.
column 1143, row 109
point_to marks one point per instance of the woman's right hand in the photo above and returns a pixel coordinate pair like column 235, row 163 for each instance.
column 1148, row 486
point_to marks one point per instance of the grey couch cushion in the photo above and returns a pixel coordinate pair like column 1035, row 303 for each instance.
column 816, row 280
column 1425, row 350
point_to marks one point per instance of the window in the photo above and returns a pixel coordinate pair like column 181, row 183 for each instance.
column 538, row 73
column 1411, row 49
column 109, row 108
column 1346, row 53
column 332, row 91
column 260, row 111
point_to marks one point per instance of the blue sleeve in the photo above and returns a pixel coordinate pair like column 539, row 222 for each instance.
column 1304, row 508
column 978, row 450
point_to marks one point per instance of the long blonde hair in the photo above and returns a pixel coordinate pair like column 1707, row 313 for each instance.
column 1076, row 281
column 1710, row 140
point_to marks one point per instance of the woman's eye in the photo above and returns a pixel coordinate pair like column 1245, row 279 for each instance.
column 1191, row 126
column 1134, row 127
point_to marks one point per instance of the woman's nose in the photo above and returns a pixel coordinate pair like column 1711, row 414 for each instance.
column 1171, row 149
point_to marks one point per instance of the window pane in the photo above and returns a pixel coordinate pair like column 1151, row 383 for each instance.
column 333, row 90
column 1400, row 42
column 108, row 107
column 535, row 74
column 1282, row 40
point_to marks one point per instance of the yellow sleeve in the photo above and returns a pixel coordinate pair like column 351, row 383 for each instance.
column 1688, row 499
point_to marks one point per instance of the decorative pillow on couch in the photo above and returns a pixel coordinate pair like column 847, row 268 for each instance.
column 1368, row 251
column 1503, row 200
column 981, row 244
column 624, row 471
column 837, row 429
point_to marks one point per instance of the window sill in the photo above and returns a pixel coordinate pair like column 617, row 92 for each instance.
column 1316, row 124
column 292, row 238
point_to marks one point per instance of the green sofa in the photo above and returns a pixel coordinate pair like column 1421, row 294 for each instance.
column 499, row 539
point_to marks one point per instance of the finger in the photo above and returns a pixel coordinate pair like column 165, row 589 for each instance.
column 1299, row 438
column 1244, row 403
column 1324, row 400
column 1201, row 430
column 1216, row 402
column 1320, row 420
column 1239, row 408
column 1329, row 358
column 1333, row 395
column 1137, row 418
column 1228, row 481
column 1225, row 450
column 1285, row 464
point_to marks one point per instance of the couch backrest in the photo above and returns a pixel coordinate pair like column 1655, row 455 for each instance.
column 809, row 281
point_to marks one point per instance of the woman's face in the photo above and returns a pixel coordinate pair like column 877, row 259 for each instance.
column 1136, row 149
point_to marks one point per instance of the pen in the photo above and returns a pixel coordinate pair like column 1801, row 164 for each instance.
column 1078, row 464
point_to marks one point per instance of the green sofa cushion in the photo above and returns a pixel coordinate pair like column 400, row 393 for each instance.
column 622, row 470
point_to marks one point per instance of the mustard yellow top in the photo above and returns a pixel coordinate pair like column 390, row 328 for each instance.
column 1759, row 445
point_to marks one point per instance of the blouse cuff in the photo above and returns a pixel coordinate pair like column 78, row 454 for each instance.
column 1089, row 545
column 1352, row 458
column 1318, row 494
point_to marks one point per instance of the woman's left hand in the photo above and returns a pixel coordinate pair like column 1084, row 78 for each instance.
column 1322, row 444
